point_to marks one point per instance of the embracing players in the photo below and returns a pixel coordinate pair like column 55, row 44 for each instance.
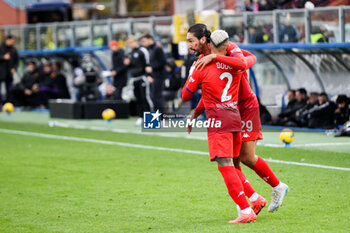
column 220, row 85
column 197, row 38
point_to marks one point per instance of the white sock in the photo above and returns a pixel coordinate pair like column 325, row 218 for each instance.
column 247, row 210
column 279, row 186
column 254, row 197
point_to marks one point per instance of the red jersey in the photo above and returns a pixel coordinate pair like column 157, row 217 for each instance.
column 247, row 98
column 220, row 87
column 241, row 60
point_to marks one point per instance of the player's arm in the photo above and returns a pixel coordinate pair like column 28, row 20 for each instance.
column 250, row 58
column 234, row 60
column 200, row 108
column 191, row 86
column 237, row 62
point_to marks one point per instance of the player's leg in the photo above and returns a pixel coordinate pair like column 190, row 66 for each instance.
column 235, row 189
column 257, row 201
column 146, row 93
column 259, row 165
column 248, row 189
column 139, row 101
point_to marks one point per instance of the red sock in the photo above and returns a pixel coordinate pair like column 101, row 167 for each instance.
column 264, row 171
column 248, row 189
column 234, row 186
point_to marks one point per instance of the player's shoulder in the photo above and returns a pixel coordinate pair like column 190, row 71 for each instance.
column 206, row 69
column 233, row 49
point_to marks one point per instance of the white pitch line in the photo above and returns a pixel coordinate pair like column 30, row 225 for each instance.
column 78, row 139
column 96, row 128
column 307, row 164
column 323, row 144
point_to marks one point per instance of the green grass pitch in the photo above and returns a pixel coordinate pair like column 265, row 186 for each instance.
column 54, row 185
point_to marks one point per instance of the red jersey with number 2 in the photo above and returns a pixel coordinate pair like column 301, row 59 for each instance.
column 220, row 87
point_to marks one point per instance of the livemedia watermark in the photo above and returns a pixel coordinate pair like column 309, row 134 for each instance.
column 158, row 122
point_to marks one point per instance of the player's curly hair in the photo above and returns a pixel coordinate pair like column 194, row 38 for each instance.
column 199, row 30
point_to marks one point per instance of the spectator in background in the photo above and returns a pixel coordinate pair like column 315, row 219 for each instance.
column 288, row 110
column 173, row 79
column 189, row 60
column 8, row 65
column 301, row 114
column 119, row 70
column 157, row 61
column 301, row 97
column 318, row 35
column 342, row 113
column 47, row 83
column 111, row 92
column 60, row 81
column 139, row 67
column 322, row 115
column 256, row 35
column 288, row 32
column 288, row 116
column 27, row 92
column 265, row 116
column 247, row 6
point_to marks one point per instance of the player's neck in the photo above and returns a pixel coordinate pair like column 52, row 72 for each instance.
column 206, row 50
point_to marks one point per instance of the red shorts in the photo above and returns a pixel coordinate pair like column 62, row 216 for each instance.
column 251, row 125
column 224, row 144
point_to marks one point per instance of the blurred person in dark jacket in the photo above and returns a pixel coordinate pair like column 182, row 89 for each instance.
column 322, row 115
column 301, row 101
column 27, row 92
column 138, row 64
column 157, row 62
column 8, row 64
column 119, row 70
column 301, row 115
column 47, row 83
column 287, row 111
column 60, row 81
column 111, row 92
column 265, row 116
column 342, row 113
column 173, row 80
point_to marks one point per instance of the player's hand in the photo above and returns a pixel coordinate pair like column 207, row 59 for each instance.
column 200, row 64
column 150, row 79
column 189, row 128
column 113, row 73
column 194, row 116
column 35, row 88
column 27, row 92
column 148, row 69
column 7, row 56
column 127, row 61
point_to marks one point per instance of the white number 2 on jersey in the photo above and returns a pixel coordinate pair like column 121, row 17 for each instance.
column 224, row 96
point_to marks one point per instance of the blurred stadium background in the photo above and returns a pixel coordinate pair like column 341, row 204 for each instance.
column 70, row 175
column 283, row 39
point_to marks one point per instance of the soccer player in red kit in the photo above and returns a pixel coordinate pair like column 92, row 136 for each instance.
column 251, row 130
column 198, row 38
column 220, row 87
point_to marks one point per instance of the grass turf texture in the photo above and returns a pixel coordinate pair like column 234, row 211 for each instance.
column 51, row 185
